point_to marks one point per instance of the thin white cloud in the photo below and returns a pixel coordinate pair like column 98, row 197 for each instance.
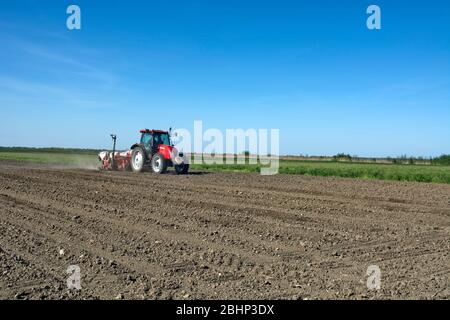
column 29, row 87
column 76, row 67
column 26, row 93
column 14, row 27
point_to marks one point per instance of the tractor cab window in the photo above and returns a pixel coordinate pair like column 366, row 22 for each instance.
column 161, row 138
column 146, row 139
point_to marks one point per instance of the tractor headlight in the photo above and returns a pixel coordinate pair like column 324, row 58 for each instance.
column 178, row 160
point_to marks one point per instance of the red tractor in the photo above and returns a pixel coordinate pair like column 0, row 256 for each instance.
column 154, row 151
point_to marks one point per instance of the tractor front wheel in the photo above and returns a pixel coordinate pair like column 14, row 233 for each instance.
column 137, row 159
column 182, row 168
column 159, row 164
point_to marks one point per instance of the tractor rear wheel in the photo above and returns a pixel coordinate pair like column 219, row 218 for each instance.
column 182, row 168
column 137, row 159
column 159, row 164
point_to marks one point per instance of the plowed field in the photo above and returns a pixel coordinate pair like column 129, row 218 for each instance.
column 219, row 235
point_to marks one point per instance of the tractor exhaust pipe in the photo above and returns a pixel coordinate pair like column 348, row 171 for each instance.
column 114, row 138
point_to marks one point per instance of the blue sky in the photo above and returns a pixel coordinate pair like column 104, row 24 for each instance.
column 310, row 68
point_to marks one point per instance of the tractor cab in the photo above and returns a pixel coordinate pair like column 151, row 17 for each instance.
column 152, row 139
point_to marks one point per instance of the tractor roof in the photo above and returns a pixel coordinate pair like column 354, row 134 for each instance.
column 153, row 131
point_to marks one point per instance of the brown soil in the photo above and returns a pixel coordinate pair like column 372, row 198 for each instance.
column 219, row 235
